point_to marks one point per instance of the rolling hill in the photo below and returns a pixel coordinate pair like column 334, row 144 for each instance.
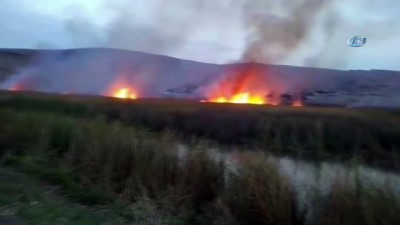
column 91, row 71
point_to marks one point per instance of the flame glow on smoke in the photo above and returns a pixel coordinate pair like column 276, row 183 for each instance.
column 297, row 103
column 16, row 87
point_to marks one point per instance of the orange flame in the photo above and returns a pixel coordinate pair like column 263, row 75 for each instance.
column 297, row 103
column 249, row 85
column 126, row 93
column 122, row 89
column 240, row 98
column 245, row 86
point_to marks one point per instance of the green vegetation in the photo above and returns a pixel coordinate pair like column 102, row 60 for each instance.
column 123, row 156
column 100, row 163
column 312, row 133
column 23, row 200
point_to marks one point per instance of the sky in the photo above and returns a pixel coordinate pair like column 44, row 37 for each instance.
column 302, row 33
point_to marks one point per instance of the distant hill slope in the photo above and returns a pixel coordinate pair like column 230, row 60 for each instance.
column 92, row 70
column 12, row 60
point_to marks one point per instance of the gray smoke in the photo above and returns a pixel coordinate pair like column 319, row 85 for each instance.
column 302, row 32
column 79, row 71
column 54, row 72
column 274, row 30
column 95, row 71
column 278, row 27
column 168, row 29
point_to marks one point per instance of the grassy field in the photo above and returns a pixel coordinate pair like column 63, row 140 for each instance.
column 25, row 200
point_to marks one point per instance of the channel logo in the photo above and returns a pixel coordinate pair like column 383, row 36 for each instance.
column 357, row 41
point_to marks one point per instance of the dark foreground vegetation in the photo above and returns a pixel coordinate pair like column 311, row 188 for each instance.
column 372, row 136
column 97, row 152
column 142, row 174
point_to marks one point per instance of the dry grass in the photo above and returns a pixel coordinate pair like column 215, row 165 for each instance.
column 309, row 132
column 115, row 161
column 98, row 160
column 258, row 194
column 353, row 202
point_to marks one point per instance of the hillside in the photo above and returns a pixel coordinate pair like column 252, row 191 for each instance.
column 91, row 71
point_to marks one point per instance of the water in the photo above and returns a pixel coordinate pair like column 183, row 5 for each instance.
column 316, row 176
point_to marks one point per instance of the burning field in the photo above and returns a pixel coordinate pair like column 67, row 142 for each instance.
column 133, row 75
column 248, row 85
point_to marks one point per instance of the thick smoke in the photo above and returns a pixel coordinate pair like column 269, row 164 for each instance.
column 302, row 33
column 278, row 27
column 273, row 29
column 169, row 27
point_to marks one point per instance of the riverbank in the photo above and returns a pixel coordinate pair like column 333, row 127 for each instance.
column 101, row 162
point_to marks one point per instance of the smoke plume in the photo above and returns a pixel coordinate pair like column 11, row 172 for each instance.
column 278, row 27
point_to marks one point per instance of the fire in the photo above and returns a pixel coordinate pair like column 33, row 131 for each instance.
column 241, row 98
column 125, row 93
column 243, row 86
column 122, row 88
column 250, row 85
column 297, row 103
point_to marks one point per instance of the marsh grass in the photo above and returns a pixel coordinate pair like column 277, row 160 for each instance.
column 309, row 132
column 103, row 161
column 259, row 194
column 357, row 202
column 98, row 162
